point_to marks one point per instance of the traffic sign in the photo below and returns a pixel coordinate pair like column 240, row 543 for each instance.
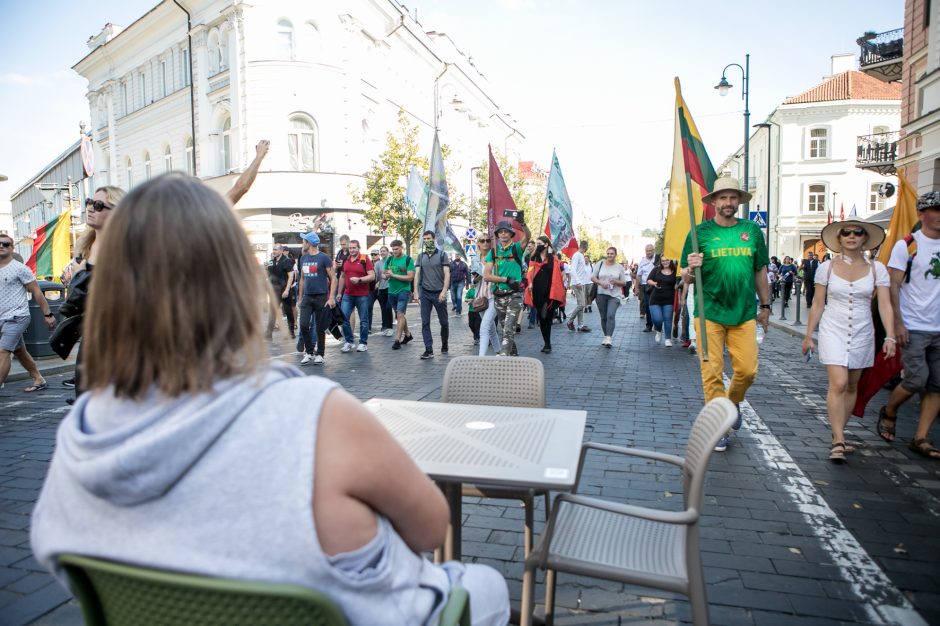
column 471, row 249
column 471, row 233
column 760, row 217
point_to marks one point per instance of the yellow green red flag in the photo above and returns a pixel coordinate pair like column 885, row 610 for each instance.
column 52, row 250
column 690, row 165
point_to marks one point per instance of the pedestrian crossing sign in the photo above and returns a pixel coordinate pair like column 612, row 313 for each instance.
column 760, row 217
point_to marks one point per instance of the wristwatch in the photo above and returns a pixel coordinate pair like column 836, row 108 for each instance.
column 764, row 306
column 48, row 315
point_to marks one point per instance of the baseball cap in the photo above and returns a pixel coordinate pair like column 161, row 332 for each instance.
column 311, row 238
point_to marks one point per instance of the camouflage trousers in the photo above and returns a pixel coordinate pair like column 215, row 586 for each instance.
column 508, row 307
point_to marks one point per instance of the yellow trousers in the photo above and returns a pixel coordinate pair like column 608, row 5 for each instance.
column 742, row 347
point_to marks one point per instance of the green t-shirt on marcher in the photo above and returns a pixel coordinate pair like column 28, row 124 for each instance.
column 399, row 266
column 470, row 296
column 732, row 254
column 506, row 264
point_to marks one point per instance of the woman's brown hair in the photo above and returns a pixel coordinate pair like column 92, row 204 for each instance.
column 175, row 300
column 115, row 195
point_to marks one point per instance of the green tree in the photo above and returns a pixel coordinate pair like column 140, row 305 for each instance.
column 597, row 246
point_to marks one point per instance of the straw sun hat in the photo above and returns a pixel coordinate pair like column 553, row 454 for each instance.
column 830, row 234
column 726, row 183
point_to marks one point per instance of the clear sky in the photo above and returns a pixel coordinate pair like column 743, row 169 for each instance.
column 591, row 78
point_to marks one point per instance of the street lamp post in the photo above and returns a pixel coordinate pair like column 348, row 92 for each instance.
column 473, row 186
column 767, row 125
column 723, row 86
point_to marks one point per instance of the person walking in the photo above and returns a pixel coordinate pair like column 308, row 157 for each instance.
column 580, row 282
column 810, row 265
column 733, row 260
column 473, row 316
column 399, row 269
column 353, row 283
column 503, row 268
column 662, row 282
column 842, row 311
column 381, row 290
column 432, row 279
column 610, row 279
column 788, row 275
column 459, row 273
column 489, row 334
column 313, row 290
column 640, row 289
column 546, row 288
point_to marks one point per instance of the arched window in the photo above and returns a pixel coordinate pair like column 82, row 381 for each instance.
column 167, row 160
column 147, row 169
column 129, row 173
column 190, row 157
column 301, row 143
column 227, row 145
column 214, row 57
column 312, row 43
column 285, row 40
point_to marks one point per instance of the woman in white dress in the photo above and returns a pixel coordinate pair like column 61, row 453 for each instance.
column 842, row 309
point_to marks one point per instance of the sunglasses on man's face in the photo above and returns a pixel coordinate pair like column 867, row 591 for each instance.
column 6, row 244
column 858, row 232
column 97, row 206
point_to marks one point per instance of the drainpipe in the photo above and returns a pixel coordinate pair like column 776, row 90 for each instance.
column 192, row 82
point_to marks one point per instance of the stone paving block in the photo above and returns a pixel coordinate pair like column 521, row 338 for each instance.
column 31, row 582
column 34, row 605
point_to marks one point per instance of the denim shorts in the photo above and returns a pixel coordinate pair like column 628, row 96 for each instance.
column 399, row 301
column 11, row 332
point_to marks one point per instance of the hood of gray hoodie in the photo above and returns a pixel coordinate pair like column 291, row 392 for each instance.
column 131, row 451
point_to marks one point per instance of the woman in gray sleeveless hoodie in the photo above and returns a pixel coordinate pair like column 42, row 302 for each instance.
column 191, row 452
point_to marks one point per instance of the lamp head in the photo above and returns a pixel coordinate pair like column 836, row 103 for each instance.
column 723, row 86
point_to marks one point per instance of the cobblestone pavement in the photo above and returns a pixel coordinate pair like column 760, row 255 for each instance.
column 786, row 536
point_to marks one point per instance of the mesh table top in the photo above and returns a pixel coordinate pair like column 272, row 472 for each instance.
column 495, row 445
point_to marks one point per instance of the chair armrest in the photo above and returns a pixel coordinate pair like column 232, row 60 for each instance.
column 636, row 452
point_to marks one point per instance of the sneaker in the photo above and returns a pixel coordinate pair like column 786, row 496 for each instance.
column 518, row 328
column 70, row 383
column 584, row 329
column 476, row 342
column 406, row 339
column 686, row 343
column 570, row 325
column 722, row 444
column 389, row 332
column 668, row 343
column 396, row 345
column 738, row 422
column 658, row 337
column 547, row 349
column 362, row 348
column 428, row 354
column 693, row 350
column 346, row 347
column 318, row 360
column 647, row 330
column 444, row 349
column 305, row 360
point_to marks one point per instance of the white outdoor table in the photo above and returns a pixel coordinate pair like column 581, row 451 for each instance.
column 520, row 447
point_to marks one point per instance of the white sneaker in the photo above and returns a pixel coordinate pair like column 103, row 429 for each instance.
column 669, row 343
column 305, row 360
column 346, row 347
column 659, row 337
column 389, row 332
column 318, row 360
column 362, row 347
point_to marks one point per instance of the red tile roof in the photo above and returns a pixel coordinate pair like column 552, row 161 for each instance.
column 849, row 85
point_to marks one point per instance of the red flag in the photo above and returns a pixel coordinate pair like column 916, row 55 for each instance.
column 829, row 217
column 842, row 212
column 500, row 206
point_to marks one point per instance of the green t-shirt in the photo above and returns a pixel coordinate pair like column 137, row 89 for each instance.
column 506, row 264
column 470, row 297
column 399, row 266
column 732, row 255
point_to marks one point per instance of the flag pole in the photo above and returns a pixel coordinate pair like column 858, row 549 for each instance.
column 699, row 294
column 545, row 204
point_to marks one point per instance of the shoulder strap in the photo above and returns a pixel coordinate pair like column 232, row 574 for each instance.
column 911, row 253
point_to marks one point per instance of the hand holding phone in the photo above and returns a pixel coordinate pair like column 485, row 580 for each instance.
column 809, row 355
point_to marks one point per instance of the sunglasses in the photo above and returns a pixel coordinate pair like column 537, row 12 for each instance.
column 6, row 244
column 483, row 240
column 858, row 232
column 98, row 206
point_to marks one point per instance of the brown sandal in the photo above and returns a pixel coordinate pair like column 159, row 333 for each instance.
column 885, row 431
column 837, row 453
column 924, row 448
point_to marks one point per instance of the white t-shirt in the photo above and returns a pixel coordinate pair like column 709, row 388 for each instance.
column 920, row 298
column 604, row 272
column 14, row 277
column 644, row 267
column 580, row 270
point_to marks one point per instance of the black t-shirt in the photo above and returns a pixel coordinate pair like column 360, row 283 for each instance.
column 665, row 291
column 280, row 270
column 341, row 257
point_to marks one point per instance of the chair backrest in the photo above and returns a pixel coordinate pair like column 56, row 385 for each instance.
column 712, row 422
column 505, row 381
column 118, row 594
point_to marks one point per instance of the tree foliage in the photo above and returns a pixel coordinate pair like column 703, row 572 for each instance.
column 597, row 246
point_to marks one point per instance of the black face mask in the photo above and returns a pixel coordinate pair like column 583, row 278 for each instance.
column 539, row 247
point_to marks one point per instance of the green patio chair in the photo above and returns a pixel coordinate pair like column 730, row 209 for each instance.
column 118, row 594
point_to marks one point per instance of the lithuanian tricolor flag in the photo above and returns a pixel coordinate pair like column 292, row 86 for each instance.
column 690, row 165
column 52, row 248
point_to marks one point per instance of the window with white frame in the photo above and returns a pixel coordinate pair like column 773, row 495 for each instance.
column 142, row 82
column 875, row 201
column 816, row 198
column 167, row 159
column 285, row 40
column 129, row 173
column 301, row 143
column 187, row 76
column 147, row 169
column 227, row 145
column 819, row 143
column 190, row 157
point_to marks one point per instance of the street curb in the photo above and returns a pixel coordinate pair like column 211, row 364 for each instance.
column 799, row 331
column 51, row 370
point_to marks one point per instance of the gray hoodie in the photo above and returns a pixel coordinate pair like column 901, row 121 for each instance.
column 220, row 484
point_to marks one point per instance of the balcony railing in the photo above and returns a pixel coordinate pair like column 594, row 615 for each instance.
column 878, row 152
column 881, row 54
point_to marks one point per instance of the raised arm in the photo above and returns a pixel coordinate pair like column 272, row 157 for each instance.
column 244, row 182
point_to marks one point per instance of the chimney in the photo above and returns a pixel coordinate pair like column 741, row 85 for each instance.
column 842, row 63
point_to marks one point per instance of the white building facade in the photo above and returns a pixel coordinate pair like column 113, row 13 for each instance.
column 324, row 82
column 812, row 157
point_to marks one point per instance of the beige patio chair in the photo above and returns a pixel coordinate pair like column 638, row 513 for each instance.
column 632, row 544
column 515, row 381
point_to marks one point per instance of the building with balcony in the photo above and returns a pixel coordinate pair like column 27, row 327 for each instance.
column 881, row 54
column 811, row 144
column 324, row 83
